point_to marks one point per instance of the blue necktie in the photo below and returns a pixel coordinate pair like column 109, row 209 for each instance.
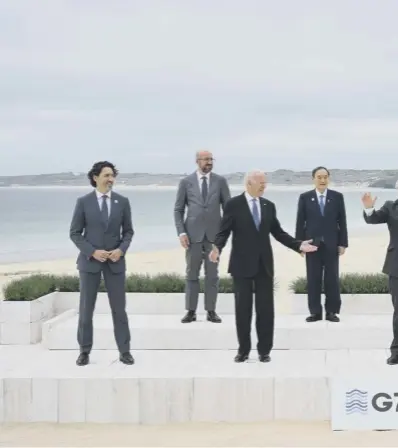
column 256, row 216
column 322, row 203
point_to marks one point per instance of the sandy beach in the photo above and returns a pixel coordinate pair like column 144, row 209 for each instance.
column 365, row 254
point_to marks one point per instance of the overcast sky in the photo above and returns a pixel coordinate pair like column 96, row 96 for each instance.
column 145, row 83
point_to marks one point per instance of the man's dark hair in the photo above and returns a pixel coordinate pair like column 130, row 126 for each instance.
column 96, row 171
column 315, row 170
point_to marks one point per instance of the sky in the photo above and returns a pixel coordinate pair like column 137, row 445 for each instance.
column 263, row 84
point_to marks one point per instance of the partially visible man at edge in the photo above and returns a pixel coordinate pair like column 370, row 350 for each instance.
column 321, row 217
column 202, row 194
column 387, row 214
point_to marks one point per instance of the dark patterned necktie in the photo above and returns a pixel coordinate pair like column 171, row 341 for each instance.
column 204, row 187
column 104, row 209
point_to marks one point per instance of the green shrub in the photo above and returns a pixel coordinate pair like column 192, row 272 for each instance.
column 38, row 285
column 353, row 283
column 30, row 288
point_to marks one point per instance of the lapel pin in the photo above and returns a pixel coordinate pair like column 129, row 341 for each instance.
column 115, row 201
column 312, row 199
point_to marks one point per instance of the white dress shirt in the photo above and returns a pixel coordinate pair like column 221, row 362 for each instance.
column 319, row 194
column 200, row 180
column 108, row 200
column 251, row 205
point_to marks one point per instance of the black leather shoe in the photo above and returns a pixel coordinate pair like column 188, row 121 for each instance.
column 331, row 317
column 83, row 359
column 212, row 316
column 314, row 318
column 241, row 358
column 392, row 360
column 264, row 358
column 126, row 358
column 189, row 317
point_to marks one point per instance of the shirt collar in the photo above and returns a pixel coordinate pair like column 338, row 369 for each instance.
column 250, row 198
column 318, row 193
column 200, row 175
column 99, row 194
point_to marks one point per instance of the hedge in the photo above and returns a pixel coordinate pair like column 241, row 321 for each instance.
column 34, row 286
column 38, row 285
column 353, row 283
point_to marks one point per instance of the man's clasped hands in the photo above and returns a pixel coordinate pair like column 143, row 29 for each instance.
column 103, row 255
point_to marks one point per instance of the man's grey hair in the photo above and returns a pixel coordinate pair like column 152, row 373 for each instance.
column 251, row 174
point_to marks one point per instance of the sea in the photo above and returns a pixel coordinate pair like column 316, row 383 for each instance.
column 34, row 221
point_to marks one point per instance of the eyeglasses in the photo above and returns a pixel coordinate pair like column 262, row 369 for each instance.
column 208, row 159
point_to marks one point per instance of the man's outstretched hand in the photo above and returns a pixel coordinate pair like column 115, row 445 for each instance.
column 214, row 255
column 306, row 247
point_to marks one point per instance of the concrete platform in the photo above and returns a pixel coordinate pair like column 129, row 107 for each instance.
column 145, row 303
column 174, row 303
column 166, row 332
column 175, row 386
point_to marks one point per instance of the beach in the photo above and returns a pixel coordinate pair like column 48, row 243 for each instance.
column 365, row 254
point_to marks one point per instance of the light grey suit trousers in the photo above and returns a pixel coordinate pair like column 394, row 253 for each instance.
column 201, row 225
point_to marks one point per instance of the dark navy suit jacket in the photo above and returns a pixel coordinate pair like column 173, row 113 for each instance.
column 330, row 228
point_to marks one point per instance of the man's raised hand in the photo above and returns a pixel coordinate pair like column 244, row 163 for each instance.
column 368, row 201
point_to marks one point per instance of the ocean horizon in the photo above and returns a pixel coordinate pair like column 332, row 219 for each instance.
column 35, row 220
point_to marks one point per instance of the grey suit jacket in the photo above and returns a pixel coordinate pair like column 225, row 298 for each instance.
column 388, row 214
column 203, row 217
column 89, row 232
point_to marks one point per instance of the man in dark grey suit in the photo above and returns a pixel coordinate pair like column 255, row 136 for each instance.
column 203, row 194
column 102, row 230
column 387, row 214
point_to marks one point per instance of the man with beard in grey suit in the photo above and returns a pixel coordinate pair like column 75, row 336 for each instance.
column 102, row 230
column 203, row 194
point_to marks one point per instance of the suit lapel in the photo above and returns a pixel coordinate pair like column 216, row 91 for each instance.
column 95, row 205
column 114, row 204
column 212, row 187
column 263, row 211
column 328, row 201
column 195, row 183
column 247, row 210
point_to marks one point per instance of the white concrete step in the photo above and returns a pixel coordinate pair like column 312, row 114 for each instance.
column 176, row 386
column 145, row 303
column 174, row 303
column 166, row 332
